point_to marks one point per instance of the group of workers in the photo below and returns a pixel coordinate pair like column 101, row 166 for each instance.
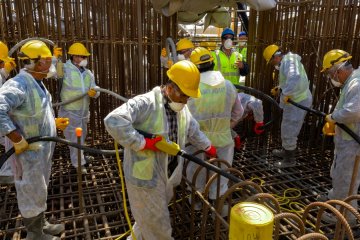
column 197, row 108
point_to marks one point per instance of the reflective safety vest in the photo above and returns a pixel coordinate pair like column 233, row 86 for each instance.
column 76, row 83
column 35, row 116
column 227, row 66
column 301, row 90
column 213, row 109
column 243, row 53
column 340, row 105
column 143, row 169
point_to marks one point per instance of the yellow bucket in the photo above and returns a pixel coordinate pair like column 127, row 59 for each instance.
column 250, row 221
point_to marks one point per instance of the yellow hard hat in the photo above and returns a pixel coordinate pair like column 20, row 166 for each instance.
column 209, row 45
column 269, row 52
column 78, row 49
column 184, row 43
column 333, row 57
column 186, row 76
column 4, row 51
column 201, row 55
column 34, row 49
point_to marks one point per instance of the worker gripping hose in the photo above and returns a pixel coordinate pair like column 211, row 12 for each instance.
column 321, row 114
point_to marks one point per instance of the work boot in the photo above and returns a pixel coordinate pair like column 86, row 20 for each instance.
column 34, row 227
column 6, row 180
column 288, row 157
column 89, row 158
column 53, row 229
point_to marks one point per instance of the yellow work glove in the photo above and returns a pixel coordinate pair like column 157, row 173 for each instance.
column 286, row 99
column 57, row 52
column 275, row 91
column 329, row 129
column 61, row 123
column 329, row 119
column 91, row 92
column 163, row 52
column 10, row 65
column 21, row 146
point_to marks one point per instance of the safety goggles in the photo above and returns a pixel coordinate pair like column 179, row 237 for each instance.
column 185, row 51
column 179, row 93
column 83, row 57
column 227, row 37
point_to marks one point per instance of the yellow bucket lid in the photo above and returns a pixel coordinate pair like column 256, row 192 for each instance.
column 252, row 213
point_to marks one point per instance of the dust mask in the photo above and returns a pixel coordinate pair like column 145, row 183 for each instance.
column 228, row 43
column 181, row 57
column 277, row 67
column 52, row 71
column 4, row 73
column 335, row 83
column 83, row 63
column 175, row 106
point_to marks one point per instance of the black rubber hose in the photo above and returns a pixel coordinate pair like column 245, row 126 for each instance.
column 6, row 155
column 264, row 97
column 321, row 114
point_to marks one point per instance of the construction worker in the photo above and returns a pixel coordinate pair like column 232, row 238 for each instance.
column 25, row 112
column 150, row 174
column 243, row 44
column 77, row 80
column 294, row 85
column 253, row 109
column 7, row 64
column 228, row 60
column 218, row 106
column 184, row 48
column 338, row 69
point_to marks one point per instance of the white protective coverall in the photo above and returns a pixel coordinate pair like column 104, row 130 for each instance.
column 76, row 83
column 218, row 105
column 253, row 105
column 148, row 185
column 26, row 108
column 293, row 82
column 347, row 111
column 5, row 169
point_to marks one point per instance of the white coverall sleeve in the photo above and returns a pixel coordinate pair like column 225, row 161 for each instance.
column 119, row 123
column 350, row 113
column 292, row 74
column 12, row 95
column 257, row 108
column 93, row 84
column 237, row 110
column 196, row 137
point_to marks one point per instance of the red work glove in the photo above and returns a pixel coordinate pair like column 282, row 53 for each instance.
column 211, row 152
column 238, row 143
column 257, row 128
column 150, row 143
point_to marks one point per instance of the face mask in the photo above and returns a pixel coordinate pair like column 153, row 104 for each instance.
column 4, row 73
column 335, row 83
column 52, row 71
column 83, row 63
column 242, row 44
column 277, row 67
column 175, row 106
column 228, row 43
column 181, row 57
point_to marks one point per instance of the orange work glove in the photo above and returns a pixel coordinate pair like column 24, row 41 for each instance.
column 258, row 128
column 150, row 143
column 91, row 92
column 286, row 99
column 329, row 129
column 163, row 52
column 61, row 123
column 211, row 152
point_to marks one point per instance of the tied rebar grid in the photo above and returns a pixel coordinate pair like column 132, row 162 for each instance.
column 104, row 213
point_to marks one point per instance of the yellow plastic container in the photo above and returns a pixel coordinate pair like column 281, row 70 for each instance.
column 250, row 221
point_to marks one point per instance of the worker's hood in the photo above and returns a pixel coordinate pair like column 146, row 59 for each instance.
column 211, row 78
